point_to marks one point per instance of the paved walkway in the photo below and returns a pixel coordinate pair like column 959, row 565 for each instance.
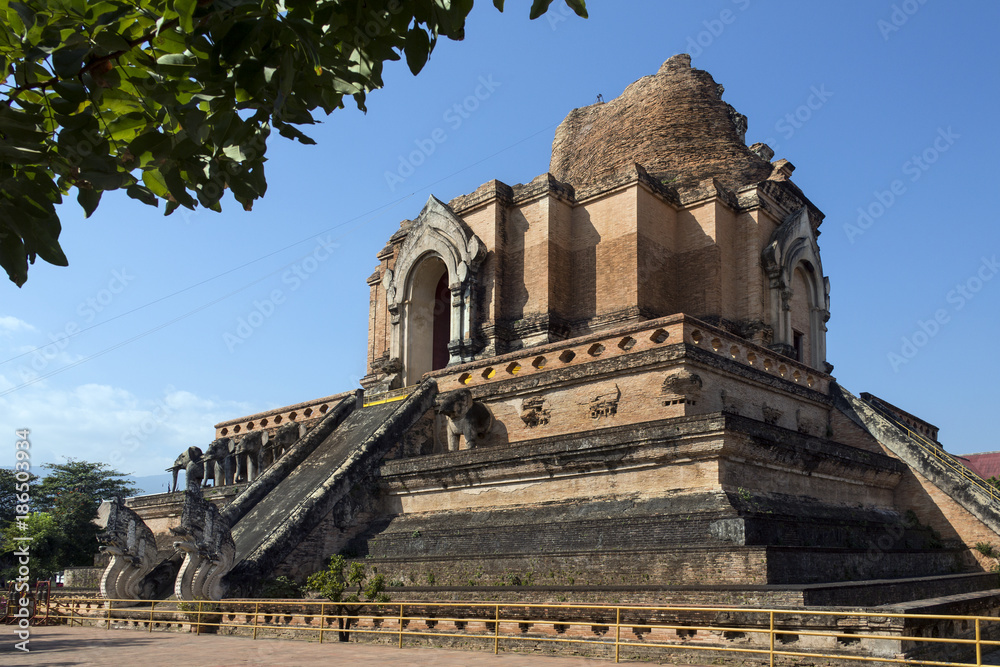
column 61, row 646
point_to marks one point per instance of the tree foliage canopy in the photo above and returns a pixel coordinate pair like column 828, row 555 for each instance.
column 175, row 99
column 63, row 506
column 335, row 582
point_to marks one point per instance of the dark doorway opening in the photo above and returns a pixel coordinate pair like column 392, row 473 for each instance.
column 442, row 323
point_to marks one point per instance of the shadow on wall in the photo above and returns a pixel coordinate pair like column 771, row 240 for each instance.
column 583, row 268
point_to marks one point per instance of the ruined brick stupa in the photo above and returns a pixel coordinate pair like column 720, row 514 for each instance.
column 613, row 375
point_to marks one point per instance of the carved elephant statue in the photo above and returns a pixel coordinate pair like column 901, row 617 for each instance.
column 284, row 438
column 190, row 462
column 248, row 455
column 466, row 417
column 218, row 462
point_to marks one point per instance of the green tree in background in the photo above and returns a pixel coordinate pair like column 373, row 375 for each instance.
column 47, row 546
column 63, row 506
column 175, row 99
column 9, row 493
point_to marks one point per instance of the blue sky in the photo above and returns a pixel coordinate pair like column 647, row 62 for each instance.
column 885, row 108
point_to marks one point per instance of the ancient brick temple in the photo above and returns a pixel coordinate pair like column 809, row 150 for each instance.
column 613, row 375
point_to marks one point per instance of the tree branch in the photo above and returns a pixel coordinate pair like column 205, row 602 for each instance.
column 94, row 64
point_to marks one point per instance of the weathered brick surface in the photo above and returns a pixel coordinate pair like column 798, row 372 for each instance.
column 638, row 219
column 688, row 133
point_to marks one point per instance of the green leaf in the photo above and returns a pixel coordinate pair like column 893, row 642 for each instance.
column 185, row 13
column 67, row 63
column 498, row 4
column 578, row 6
column 143, row 194
column 14, row 258
column 63, row 106
column 72, row 91
column 234, row 153
column 178, row 189
column 110, row 41
column 539, row 7
column 126, row 127
column 40, row 236
column 26, row 17
column 153, row 179
column 292, row 132
column 417, row 48
column 175, row 59
column 88, row 199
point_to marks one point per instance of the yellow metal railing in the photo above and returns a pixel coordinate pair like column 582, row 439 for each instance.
column 390, row 397
column 506, row 623
column 934, row 449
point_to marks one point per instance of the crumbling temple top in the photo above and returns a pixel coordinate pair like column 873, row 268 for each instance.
column 674, row 123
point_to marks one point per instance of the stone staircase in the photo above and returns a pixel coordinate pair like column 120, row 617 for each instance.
column 924, row 456
column 273, row 520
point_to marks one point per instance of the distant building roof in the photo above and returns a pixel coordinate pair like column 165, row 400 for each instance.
column 984, row 464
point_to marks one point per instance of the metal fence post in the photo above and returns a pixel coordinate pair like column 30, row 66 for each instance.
column 152, row 606
column 400, row 625
column 979, row 647
column 496, row 631
column 322, row 620
column 618, row 630
column 110, row 602
column 771, row 640
column 256, row 615
column 197, row 629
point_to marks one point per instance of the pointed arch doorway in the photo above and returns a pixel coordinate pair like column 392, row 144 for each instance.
column 428, row 315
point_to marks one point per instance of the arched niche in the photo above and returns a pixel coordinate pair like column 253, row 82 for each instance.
column 799, row 293
column 438, row 244
column 428, row 320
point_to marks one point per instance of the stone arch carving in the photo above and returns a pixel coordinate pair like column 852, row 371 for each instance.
column 792, row 248
column 436, row 233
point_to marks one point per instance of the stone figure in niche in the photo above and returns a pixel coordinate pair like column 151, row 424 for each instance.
column 533, row 412
column 184, row 462
column 132, row 547
column 683, row 383
column 805, row 425
column 605, row 405
column 218, row 462
column 681, row 387
column 248, row 454
column 466, row 417
column 771, row 415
